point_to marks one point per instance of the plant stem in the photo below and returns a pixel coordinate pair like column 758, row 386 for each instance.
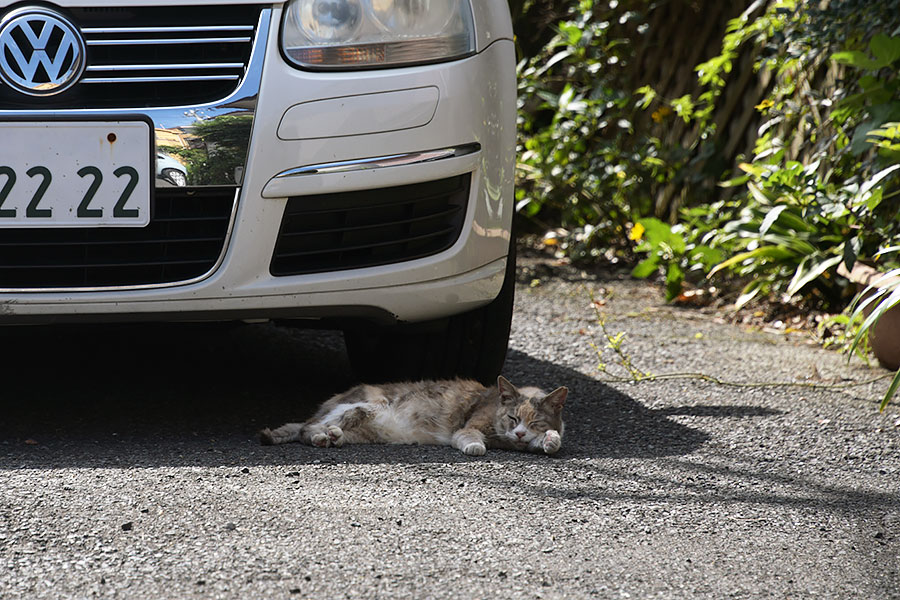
column 636, row 375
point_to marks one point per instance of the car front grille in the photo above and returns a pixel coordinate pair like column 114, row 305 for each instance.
column 184, row 240
column 154, row 56
column 350, row 230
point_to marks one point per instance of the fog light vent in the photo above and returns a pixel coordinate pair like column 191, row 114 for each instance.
column 351, row 230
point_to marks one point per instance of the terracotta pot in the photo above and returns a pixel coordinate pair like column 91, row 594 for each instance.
column 884, row 337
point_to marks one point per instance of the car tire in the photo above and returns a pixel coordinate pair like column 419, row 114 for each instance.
column 175, row 177
column 471, row 345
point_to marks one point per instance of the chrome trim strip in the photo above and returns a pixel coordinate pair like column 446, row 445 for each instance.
column 147, row 286
column 160, row 79
column 378, row 162
column 166, row 67
column 174, row 29
column 167, row 41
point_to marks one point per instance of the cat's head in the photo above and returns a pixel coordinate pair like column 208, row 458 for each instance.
column 525, row 414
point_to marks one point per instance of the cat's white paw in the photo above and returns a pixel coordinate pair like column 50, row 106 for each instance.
column 552, row 442
column 332, row 436
column 336, row 435
column 320, row 440
column 474, row 449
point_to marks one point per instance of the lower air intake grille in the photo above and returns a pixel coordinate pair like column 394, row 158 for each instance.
column 184, row 240
column 351, row 230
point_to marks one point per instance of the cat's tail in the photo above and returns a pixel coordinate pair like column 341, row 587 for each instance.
column 283, row 435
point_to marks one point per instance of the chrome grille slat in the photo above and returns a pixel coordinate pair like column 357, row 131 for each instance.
column 167, row 41
column 188, row 29
column 171, row 66
column 170, row 79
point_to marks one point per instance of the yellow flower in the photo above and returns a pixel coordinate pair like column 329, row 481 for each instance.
column 765, row 104
column 636, row 233
column 660, row 114
column 620, row 174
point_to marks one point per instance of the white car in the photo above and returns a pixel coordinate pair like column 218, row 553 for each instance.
column 170, row 170
column 348, row 164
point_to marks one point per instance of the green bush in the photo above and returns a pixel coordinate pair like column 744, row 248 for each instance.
column 582, row 163
column 802, row 218
column 820, row 190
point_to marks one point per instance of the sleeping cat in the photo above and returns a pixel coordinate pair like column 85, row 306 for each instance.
column 460, row 413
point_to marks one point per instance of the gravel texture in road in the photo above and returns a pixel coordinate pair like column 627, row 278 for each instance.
column 129, row 467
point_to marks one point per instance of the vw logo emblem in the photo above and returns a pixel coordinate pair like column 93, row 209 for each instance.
column 41, row 52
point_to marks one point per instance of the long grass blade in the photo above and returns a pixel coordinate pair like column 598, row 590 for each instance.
column 801, row 281
column 764, row 251
column 892, row 389
column 770, row 219
column 892, row 299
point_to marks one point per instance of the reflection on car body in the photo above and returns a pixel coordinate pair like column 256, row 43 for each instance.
column 170, row 170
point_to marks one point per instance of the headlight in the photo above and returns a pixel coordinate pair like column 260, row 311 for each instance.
column 352, row 34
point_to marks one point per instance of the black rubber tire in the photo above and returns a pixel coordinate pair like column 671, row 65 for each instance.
column 470, row 345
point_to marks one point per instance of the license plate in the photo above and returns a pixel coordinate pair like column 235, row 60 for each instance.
column 75, row 174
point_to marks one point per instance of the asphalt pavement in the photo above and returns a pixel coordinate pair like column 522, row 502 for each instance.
column 129, row 466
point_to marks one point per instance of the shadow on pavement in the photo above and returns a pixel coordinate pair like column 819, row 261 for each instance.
column 194, row 396
column 166, row 395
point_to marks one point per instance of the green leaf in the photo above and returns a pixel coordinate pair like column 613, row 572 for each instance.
column 771, row 217
column 567, row 94
column 872, row 293
column 646, row 267
column 869, row 82
column 657, row 232
column 761, row 252
column 648, row 96
column 796, row 222
column 863, row 299
column 887, row 250
column 749, row 292
column 791, row 244
column 886, row 303
column 855, row 58
column 735, row 182
column 684, row 107
column 559, row 56
column 892, row 389
column 851, row 252
column 752, row 169
column 759, row 194
column 802, row 279
column 885, row 48
column 705, row 255
column 674, row 280
column 876, row 179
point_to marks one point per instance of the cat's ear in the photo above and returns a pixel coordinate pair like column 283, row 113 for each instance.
column 557, row 398
column 508, row 391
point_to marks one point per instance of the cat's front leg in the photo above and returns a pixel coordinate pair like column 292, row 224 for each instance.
column 470, row 441
column 289, row 432
column 549, row 443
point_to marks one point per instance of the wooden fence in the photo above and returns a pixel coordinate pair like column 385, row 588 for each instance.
column 681, row 35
